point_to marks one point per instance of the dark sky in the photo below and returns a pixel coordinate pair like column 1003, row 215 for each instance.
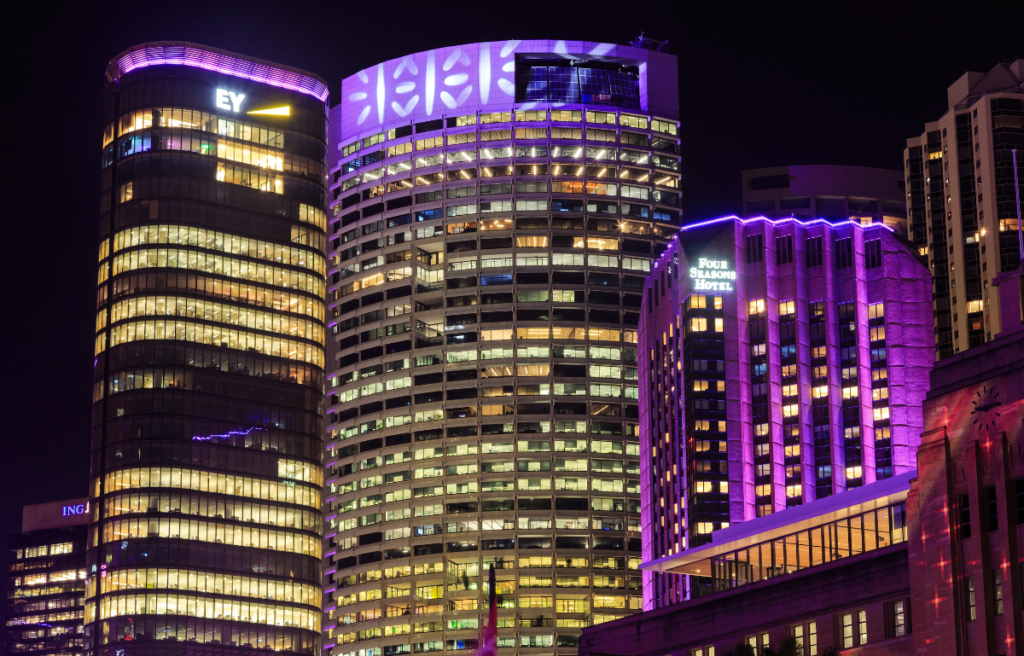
column 762, row 84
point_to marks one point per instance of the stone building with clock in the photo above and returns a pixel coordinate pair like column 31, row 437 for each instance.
column 969, row 494
column 927, row 561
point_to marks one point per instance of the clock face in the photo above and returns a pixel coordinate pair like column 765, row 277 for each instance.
column 985, row 406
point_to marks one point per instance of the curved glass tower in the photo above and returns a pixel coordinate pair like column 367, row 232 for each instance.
column 494, row 210
column 207, row 446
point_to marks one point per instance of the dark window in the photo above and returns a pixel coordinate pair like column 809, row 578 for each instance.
column 1018, row 491
column 993, row 509
column 873, row 253
column 965, row 516
column 755, row 248
column 815, row 255
column 784, row 249
column 844, row 253
column 429, row 126
column 769, row 182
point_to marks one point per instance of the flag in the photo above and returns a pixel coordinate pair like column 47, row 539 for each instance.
column 489, row 633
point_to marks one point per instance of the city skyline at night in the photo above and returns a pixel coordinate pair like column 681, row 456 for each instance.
column 248, row 317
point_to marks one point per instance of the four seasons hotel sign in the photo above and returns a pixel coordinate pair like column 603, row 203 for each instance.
column 712, row 276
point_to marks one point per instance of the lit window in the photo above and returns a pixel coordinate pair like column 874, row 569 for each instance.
column 787, row 307
column 848, row 639
column 757, row 306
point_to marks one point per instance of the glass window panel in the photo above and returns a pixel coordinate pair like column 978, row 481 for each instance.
column 842, row 548
column 870, row 534
column 884, row 531
column 803, row 540
column 792, row 557
column 817, row 557
column 856, row 536
column 755, row 566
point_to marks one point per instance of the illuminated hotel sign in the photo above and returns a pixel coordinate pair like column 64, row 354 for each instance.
column 712, row 276
column 76, row 509
column 229, row 100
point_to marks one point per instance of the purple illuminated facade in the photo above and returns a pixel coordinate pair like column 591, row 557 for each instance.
column 206, row 457
column 494, row 211
column 780, row 362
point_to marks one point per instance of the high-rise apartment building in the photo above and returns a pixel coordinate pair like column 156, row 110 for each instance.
column 206, row 466
column 46, row 580
column 962, row 203
column 781, row 362
column 835, row 193
column 495, row 208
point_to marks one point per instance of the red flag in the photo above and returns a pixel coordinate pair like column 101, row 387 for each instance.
column 489, row 633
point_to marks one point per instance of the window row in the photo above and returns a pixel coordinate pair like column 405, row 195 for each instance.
column 201, row 505
column 228, row 290
column 172, row 258
column 219, row 241
column 203, row 531
column 210, row 582
column 230, row 484
column 193, row 308
column 189, row 331
column 204, row 607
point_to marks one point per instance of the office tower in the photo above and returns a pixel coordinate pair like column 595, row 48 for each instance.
column 781, row 362
column 46, row 580
column 836, row 193
column 963, row 208
column 494, row 210
column 206, row 478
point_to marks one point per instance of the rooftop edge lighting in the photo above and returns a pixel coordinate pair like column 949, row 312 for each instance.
column 220, row 61
column 774, row 222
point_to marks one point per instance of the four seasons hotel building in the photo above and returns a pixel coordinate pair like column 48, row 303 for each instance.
column 494, row 209
column 782, row 362
column 206, row 472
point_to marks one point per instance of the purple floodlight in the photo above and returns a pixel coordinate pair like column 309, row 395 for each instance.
column 224, row 436
column 211, row 59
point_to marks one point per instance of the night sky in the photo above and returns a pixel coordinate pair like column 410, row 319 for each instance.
column 762, row 84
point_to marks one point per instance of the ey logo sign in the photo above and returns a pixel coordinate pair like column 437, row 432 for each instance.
column 229, row 100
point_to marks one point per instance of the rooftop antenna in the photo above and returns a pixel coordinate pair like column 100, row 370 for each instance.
column 649, row 44
column 1020, row 228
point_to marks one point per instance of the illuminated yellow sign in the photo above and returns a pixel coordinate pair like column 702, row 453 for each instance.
column 712, row 276
column 274, row 111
